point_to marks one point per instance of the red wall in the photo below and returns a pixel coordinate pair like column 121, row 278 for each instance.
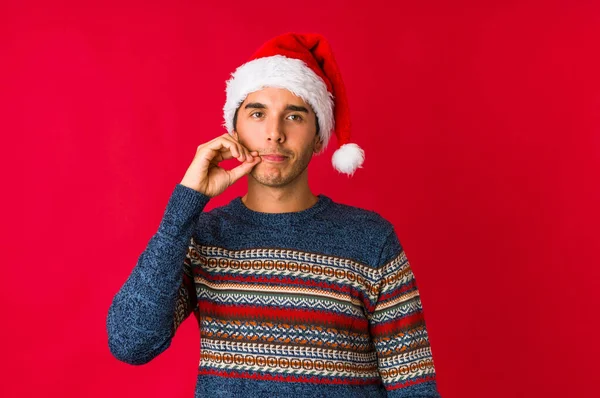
column 482, row 132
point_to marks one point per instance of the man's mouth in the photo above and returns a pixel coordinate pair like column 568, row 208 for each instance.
column 274, row 158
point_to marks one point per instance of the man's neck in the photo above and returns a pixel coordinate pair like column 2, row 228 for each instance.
column 291, row 198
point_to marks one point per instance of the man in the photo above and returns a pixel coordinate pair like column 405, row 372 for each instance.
column 294, row 294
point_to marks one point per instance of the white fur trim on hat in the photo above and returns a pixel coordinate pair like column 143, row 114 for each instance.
column 281, row 72
column 348, row 158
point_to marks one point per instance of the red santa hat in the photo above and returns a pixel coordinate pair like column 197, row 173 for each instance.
column 304, row 65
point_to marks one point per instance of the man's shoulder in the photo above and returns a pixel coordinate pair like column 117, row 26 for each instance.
column 359, row 217
column 215, row 214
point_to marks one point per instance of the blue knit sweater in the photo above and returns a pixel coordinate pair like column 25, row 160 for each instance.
column 316, row 303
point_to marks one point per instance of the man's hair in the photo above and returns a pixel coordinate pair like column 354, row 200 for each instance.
column 238, row 108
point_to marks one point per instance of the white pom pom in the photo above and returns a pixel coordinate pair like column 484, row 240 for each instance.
column 348, row 158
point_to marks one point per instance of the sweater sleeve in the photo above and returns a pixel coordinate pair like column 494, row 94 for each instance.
column 187, row 301
column 398, row 329
column 156, row 297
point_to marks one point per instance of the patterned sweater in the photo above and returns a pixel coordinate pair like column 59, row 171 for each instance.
column 316, row 303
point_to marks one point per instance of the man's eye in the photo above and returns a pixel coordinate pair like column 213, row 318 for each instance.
column 256, row 113
column 297, row 117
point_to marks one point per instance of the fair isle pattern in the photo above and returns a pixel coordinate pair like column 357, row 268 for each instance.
column 256, row 291
column 399, row 332
column 413, row 304
column 291, row 365
column 254, row 297
column 269, row 332
column 283, row 262
column 280, row 314
column 277, row 349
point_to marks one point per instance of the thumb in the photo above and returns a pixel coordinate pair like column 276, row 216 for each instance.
column 243, row 169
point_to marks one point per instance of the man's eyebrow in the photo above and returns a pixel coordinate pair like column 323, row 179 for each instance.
column 296, row 108
column 258, row 105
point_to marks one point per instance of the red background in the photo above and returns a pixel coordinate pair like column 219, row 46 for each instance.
column 482, row 133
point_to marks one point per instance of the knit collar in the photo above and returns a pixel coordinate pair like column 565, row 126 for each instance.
column 239, row 208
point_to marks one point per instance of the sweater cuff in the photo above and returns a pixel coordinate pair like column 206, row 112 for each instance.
column 183, row 208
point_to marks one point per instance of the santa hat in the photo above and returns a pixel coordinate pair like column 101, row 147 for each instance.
column 304, row 65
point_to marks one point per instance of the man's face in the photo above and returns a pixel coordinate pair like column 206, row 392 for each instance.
column 273, row 121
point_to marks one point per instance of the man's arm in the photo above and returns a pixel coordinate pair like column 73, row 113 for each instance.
column 398, row 330
column 158, row 295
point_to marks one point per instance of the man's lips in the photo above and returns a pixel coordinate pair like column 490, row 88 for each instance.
column 274, row 158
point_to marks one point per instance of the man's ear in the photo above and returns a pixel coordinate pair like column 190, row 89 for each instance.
column 318, row 143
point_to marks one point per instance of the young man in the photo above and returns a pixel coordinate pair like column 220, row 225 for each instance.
column 294, row 294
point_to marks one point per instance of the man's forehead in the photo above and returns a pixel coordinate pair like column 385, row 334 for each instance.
column 276, row 97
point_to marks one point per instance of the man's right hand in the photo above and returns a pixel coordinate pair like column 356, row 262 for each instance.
column 204, row 174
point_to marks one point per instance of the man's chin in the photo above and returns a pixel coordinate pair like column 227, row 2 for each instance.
column 269, row 179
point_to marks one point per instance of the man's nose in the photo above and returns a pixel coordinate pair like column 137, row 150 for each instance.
column 275, row 130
